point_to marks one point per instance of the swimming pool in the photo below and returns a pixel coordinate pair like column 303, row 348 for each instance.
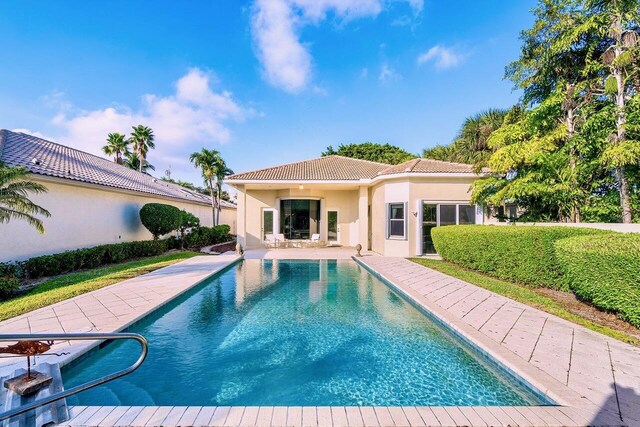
column 295, row 333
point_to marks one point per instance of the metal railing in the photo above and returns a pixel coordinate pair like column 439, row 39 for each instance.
column 82, row 387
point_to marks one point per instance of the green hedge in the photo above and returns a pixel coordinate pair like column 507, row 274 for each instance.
column 605, row 271
column 205, row 236
column 65, row 262
column 524, row 254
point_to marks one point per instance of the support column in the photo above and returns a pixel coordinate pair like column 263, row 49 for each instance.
column 363, row 218
column 241, row 216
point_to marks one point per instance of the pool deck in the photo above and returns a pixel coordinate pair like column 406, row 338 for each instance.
column 595, row 379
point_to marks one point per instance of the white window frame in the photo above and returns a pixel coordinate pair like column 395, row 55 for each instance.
column 388, row 220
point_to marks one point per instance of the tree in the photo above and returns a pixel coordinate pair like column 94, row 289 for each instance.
column 209, row 162
column 222, row 172
column 470, row 145
column 142, row 140
column 15, row 189
column 555, row 60
column 387, row 153
column 187, row 222
column 160, row 219
column 132, row 161
column 618, row 22
column 117, row 146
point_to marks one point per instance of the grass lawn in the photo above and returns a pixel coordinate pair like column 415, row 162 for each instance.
column 70, row 285
column 522, row 294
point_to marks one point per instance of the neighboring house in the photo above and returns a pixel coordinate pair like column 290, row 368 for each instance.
column 92, row 200
column 387, row 209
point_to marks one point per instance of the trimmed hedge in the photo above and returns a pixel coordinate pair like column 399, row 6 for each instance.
column 605, row 271
column 65, row 262
column 524, row 254
column 205, row 236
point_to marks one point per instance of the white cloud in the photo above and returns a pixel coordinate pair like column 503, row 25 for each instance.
column 286, row 61
column 195, row 116
column 443, row 57
column 387, row 73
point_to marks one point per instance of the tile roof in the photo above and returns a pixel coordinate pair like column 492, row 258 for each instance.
column 329, row 168
column 428, row 166
column 339, row 168
column 43, row 157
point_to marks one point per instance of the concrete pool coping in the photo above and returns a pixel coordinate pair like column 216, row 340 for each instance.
column 576, row 410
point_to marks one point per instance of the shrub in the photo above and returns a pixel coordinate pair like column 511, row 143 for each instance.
column 65, row 262
column 8, row 286
column 160, row 219
column 522, row 254
column 204, row 236
column 605, row 271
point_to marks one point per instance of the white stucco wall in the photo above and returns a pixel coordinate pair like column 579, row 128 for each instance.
column 86, row 215
column 411, row 191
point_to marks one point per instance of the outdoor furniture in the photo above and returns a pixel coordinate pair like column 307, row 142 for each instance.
column 271, row 240
column 315, row 240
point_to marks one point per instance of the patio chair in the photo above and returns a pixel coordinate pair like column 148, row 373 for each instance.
column 281, row 242
column 315, row 240
column 270, row 240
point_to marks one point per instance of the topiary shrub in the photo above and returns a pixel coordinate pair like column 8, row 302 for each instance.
column 523, row 254
column 8, row 286
column 605, row 271
column 160, row 219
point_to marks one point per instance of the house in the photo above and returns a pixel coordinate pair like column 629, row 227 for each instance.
column 389, row 209
column 92, row 200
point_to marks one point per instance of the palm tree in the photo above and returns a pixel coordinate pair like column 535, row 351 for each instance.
column 117, row 146
column 14, row 197
column 222, row 171
column 209, row 162
column 132, row 161
column 142, row 140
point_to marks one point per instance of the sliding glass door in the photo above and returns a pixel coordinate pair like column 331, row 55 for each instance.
column 299, row 219
column 436, row 215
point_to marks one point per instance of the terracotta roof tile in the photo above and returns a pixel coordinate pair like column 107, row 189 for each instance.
column 338, row 168
column 43, row 157
column 329, row 168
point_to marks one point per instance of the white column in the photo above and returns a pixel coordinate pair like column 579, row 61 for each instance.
column 363, row 217
column 241, row 216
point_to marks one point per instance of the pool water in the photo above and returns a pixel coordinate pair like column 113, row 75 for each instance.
column 303, row 333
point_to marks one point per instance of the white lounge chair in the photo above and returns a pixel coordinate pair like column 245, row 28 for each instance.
column 315, row 240
column 270, row 240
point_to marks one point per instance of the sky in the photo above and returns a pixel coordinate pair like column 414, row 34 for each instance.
column 264, row 82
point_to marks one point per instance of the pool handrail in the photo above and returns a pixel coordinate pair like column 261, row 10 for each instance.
column 82, row 387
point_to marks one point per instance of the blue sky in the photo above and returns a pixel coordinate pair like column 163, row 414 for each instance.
column 263, row 81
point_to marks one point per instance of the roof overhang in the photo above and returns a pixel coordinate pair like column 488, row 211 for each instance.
column 350, row 183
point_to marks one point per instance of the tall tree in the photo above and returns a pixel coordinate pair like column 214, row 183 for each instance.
column 117, row 146
column 381, row 153
column 619, row 21
column 15, row 190
column 554, row 61
column 470, row 144
column 142, row 139
column 209, row 162
column 222, row 172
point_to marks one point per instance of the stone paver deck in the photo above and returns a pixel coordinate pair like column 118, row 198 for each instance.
column 595, row 379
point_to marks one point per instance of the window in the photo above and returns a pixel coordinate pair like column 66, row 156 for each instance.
column 396, row 220
column 466, row 214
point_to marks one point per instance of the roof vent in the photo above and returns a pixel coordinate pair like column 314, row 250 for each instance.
column 35, row 161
